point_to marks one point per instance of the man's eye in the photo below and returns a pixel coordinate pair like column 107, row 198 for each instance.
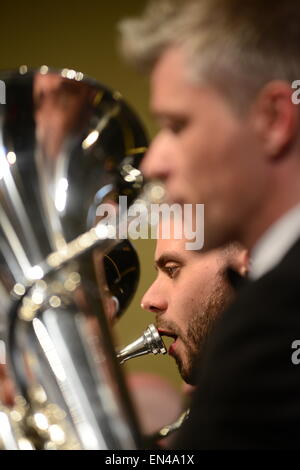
column 176, row 127
column 171, row 270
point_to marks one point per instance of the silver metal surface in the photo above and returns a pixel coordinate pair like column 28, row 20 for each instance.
column 149, row 342
column 67, row 144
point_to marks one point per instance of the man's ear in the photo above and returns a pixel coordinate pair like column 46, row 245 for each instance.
column 276, row 117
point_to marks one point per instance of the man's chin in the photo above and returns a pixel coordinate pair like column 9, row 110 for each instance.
column 188, row 380
column 188, row 376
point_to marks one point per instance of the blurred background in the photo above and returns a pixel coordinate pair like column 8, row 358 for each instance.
column 83, row 36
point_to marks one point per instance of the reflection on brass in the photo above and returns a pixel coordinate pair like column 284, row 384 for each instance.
column 64, row 140
column 40, row 425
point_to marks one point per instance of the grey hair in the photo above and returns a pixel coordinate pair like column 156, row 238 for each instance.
column 234, row 45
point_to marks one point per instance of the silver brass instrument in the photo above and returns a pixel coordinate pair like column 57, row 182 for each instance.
column 149, row 342
column 67, row 144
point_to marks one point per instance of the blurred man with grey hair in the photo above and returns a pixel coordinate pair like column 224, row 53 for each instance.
column 222, row 77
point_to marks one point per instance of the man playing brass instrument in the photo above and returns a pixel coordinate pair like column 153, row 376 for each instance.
column 190, row 291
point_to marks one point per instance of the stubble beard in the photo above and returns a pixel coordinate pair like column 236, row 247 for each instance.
column 199, row 327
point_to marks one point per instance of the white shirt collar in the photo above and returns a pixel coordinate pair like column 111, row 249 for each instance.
column 275, row 243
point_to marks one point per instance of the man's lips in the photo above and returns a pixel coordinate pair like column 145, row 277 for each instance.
column 169, row 334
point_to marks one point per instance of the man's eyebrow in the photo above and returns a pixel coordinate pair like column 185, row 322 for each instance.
column 166, row 258
column 167, row 115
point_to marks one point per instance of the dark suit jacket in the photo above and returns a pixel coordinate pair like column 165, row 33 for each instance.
column 248, row 393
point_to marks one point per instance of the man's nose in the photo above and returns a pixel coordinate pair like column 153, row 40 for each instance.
column 156, row 163
column 154, row 301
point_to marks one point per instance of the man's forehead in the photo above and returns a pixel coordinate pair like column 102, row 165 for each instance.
column 172, row 249
column 171, row 228
column 174, row 94
column 170, row 245
column 172, row 58
column 169, row 75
